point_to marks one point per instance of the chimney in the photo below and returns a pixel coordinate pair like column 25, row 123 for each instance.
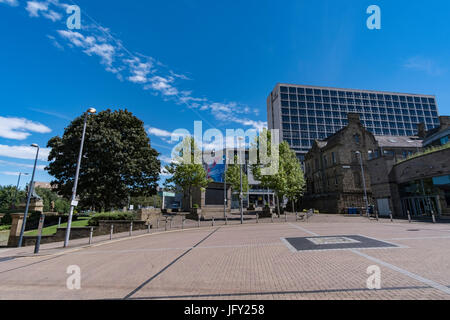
column 353, row 118
column 421, row 130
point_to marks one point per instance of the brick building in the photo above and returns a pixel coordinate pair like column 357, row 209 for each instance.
column 333, row 170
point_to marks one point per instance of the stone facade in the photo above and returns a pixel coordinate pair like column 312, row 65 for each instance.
column 333, row 168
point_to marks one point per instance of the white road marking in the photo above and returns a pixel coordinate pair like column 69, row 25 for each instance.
column 431, row 283
column 304, row 230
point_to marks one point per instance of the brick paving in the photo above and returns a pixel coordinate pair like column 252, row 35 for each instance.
column 235, row 262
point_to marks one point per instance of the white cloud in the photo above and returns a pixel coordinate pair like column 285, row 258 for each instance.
column 10, row 173
column 21, row 165
column 137, row 68
column 19, row 128
column 425, row 65
column 12, row 3
column 23, row 152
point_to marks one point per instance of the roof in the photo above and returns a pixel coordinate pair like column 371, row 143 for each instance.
column 399, row 141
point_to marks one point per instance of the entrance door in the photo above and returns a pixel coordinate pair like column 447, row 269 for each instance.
column 383, row 207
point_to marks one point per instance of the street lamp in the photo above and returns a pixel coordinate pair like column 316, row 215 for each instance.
column 241, row 195
column 30, row 187
column 17, row 189
column 74, row 203
column 364, row 182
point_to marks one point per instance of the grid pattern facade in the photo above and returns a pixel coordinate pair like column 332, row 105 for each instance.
column 305, row 113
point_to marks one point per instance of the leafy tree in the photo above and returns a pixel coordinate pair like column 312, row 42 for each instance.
column 7, row 194
column 185, row 173
column 289, row 180
column 153, row 201
column 233, row 176
column 48, row 196
column 118, row 161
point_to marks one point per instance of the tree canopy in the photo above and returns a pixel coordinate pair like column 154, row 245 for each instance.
column 289, row 179
column 118, row 161
column 185, row 173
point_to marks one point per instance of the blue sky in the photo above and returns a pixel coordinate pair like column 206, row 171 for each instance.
column 174, row 62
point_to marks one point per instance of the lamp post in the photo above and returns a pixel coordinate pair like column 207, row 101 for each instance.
column 241, row 194
column 364, row 182
column 30, row 187
column 17, row 189
column 74, row 203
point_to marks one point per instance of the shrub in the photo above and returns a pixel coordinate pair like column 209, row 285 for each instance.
column 195, row 206
column 117, row 216
column 6, row 220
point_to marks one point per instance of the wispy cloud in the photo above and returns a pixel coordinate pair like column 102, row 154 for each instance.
column 23, row 152
column 50, row 113
column 151, row 74
column 426, row 65
column 12, row 3
column 164, row 134
column 21, row 165
column 20, row 128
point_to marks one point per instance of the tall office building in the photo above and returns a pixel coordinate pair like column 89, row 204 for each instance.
column 305, row 113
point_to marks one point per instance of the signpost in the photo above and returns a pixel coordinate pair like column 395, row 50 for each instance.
column 38, row 240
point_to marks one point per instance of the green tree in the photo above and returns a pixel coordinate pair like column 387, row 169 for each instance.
column 153, row 201
column 289, row 179
column 7, row 194
column 233, row 176
column 48, row 196
column 185, row 172
column 118, row 161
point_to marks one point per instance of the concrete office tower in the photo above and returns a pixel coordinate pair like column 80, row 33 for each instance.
column 305, row 113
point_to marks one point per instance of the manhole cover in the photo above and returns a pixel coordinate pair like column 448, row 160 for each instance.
column 335, row 243
column 413, row 230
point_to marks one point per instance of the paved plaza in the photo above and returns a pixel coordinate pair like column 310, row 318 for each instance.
column 324, row 258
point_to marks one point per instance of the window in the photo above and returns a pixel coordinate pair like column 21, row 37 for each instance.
column 333, row 157
column 356, row 138
column 284, row 89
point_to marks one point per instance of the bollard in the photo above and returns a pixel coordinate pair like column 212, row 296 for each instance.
column 272, row 217
column 112, row 231
column 59, row 222
column 91, row 234
column 390, row 215
column 38, row 240
column 170, row 224
column 409, row 216
column 296, row 216
column 199, row 221
column 433, row 216
column 213, row 221
column 226, row 220
column 165, row 226
column 131, row 228
column 257, row 218
column 376, row 214
column 149, row 227
column 182, row 223
column 157, row 224
column 285, row 216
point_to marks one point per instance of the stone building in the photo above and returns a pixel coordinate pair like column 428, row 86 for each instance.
column 334, row 175
column 419, row 184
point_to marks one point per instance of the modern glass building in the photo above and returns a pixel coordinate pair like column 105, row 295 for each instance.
column 305, row 113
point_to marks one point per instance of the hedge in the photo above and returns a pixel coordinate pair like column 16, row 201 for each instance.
column 117, row 216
